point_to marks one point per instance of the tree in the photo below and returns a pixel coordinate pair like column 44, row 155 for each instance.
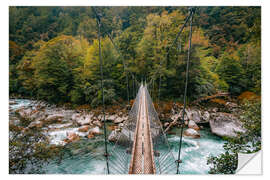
column 112, row 74
column 15, row 54
column 250, row 59
column 52, row 68
column 230, row 70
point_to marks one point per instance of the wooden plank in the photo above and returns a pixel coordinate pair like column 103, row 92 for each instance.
column 149, row 165
column 142, row 152
column 136, row 157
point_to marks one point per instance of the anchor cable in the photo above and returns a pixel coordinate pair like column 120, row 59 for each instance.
column 102, row 87
column 185, row 93
column 168, row 53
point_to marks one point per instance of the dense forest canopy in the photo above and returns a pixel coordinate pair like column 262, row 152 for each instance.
column 53, row 51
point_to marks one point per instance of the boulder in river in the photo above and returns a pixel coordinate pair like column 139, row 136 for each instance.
column 121, row 136
column 113, row 136
column 178, row 116
column 205, row 117
column 90, row 136
column 72, row 137
column 194, row 115
column 119, row 120
column 111, row 117
column 54, row 118
column 35, row 114
column 97, row 123
column 95, row 131
column 35, row 124
column 193, row 125
column 84, row 128
column 233, row 107
column 191, row 133
column 82, row 119
column 225, row 124
column 12, row 102
column 24, row 112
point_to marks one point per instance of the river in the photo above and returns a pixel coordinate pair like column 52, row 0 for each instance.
column 77, row 159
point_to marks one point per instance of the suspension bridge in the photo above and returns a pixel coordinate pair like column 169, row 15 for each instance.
column 141, row 145
column 142, row 141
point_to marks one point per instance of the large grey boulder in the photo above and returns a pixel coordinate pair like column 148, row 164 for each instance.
column 196, row 116
column 113, row 136
column 225, row 125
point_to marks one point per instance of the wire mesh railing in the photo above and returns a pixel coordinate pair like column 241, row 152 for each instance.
column 121, row 152
column 164, row 159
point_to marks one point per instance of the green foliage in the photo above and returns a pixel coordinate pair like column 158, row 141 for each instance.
column 231, row 71
column 225, row 54
column 29, row 150
column 49, row 70
column 227, row 27
column 87, row 29
column 112, row 74
column 250, row 140
column 15, row 55
column 250, row 59
column 246, row 142
column 225, row 163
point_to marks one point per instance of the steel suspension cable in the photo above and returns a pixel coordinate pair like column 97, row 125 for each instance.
column 178, row 35
column 102, row 87
column 168, row 53
column 185, row 92
column 123, row 60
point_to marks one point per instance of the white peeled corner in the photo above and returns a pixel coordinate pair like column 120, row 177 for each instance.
column 249, row 163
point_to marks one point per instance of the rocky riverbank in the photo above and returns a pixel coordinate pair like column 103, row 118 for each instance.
column 221, row 118
column 63, row 125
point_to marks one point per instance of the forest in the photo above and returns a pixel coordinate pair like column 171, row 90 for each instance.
column 53, row 52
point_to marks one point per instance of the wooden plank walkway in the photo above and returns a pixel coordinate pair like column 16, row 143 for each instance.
column 142, row 160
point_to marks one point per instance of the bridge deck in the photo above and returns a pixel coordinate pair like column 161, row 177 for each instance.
column 142, row 160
